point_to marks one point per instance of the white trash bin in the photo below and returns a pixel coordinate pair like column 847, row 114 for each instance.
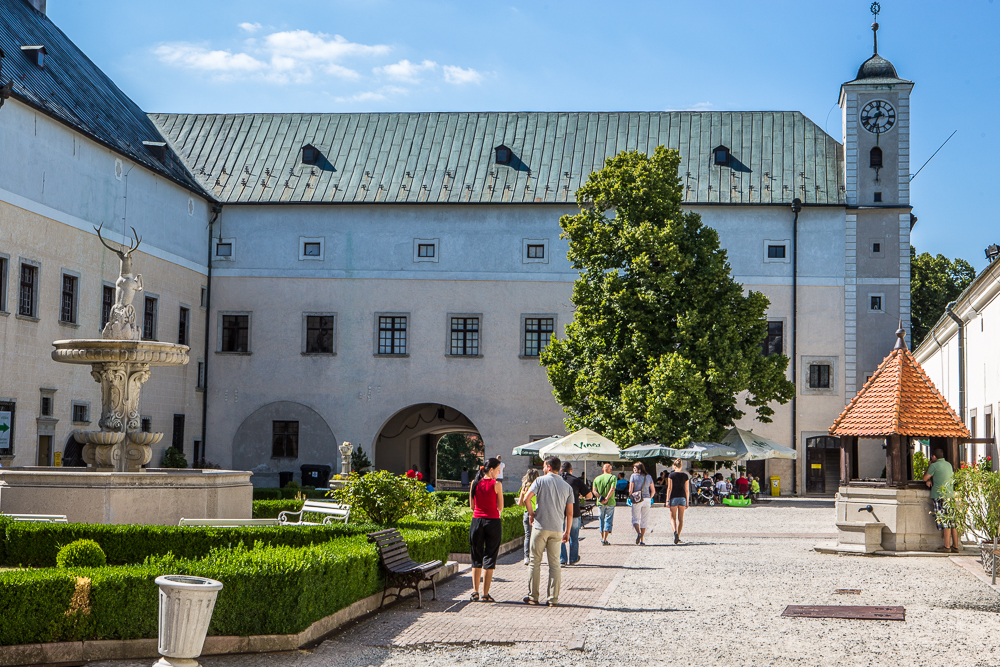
column 186, row 606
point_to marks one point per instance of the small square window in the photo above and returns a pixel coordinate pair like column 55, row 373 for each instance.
column 146, row 425
column 311, row 249
column 819, row 376
column 425, row 250
column 878, row 196
column 536, row 251
column 81, row 412
column 875, row 302
column 224, row 250
column 876, row 247
column 775, row 252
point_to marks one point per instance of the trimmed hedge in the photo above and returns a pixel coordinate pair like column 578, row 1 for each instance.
column 270, row 509
column 288, row 494
column 267, row 590
column 463, row 497
column 29, row 544
column 458, row 531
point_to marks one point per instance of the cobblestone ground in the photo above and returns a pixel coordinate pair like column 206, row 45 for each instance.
column 715, row 599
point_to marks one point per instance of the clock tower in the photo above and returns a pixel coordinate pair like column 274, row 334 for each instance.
column 875, row 111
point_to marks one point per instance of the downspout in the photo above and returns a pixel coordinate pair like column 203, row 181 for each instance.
column 961, row 358
column 796, row 207
column 216, row 211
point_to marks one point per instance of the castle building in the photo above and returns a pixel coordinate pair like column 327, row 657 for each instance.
column 388, row 278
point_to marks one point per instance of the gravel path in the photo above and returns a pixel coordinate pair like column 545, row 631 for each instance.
column 718, row 601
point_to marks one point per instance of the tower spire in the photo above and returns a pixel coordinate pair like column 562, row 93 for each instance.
column 875, row 9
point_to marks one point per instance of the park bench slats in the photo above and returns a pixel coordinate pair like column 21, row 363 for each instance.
column 334, row 512
column 39, row 518
column 402, row 572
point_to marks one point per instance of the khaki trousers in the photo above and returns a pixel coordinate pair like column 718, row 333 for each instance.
column 547, row 541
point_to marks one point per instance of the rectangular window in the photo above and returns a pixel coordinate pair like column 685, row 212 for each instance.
column 204, row 297
column 537, row 334
column 876, row 247
column 149, row 319
column 26, row 294
column 775, row 252
column 878, row 196
column 235, row 333
column 876, row 302
column 392, row 335
column 46, row 406
column 178, row 435
column 7, row 428
column 819, row 376
column 284, row 440
column 223, row 249
column 774, row 342
column 425, row 250
column 311, row 249
column 536, row 251
column 183, row 327
column 3, row 284
column 319, row 334
column 81, row 412
column 67, row 313
column 146, row 424
column 107, row 301
column 201, row 375
column 465, row 336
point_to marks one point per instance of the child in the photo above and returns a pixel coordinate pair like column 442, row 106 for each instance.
column 754, row 488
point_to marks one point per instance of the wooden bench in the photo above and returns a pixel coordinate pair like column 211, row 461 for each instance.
column 40, row 518
column 334, row 512
column 402, row 571
column 228, row 523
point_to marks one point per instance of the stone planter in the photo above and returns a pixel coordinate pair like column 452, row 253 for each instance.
column 986, row 553
column 186, row 605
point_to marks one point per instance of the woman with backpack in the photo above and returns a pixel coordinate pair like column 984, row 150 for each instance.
column 486, row 531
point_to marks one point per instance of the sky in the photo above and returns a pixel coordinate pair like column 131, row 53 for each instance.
column 224, row 56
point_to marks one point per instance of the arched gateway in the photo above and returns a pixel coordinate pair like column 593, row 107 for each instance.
column 408, row 440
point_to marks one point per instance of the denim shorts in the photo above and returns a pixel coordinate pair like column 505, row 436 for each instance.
column 678, row 502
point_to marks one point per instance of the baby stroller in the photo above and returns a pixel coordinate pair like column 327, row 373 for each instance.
column 704, row 494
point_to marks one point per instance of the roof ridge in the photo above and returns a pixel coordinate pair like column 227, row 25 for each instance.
column 943, row 402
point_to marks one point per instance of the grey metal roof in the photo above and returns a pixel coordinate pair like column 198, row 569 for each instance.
column 448, row 157
column 877, row 70
column 73, row 90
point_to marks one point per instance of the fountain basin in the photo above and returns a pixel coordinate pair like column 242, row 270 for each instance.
column 100, row 351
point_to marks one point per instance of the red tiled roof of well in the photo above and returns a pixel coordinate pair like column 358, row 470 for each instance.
column 899, row 399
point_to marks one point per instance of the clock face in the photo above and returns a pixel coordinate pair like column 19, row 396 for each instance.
column 878, row 117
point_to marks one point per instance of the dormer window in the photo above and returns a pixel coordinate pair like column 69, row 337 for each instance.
column 720, row 156
column 503, row 154
column 875, row 158
column 157, row 148
column 310, row 154
column 36, row 53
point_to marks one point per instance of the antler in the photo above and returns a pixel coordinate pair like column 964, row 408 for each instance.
column 98, row 230
column 138, row 240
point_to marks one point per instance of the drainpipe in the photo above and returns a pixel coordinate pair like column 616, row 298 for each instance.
column 796, row 208
column 216, row 211
column 961, row 358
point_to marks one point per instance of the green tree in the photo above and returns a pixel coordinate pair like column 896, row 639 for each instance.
column 456, row 451
column 663, row 340
column 935, row 281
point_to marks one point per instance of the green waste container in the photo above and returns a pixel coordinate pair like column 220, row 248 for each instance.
column 775, row 486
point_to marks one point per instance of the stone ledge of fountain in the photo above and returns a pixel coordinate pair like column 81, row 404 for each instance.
column 100, row 350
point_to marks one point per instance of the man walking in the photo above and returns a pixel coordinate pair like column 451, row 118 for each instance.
column 502, row 466
column 940, row 478
column 579, row 489
column 604, row 491
column 551, row 520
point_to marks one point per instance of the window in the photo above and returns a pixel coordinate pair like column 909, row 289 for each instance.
column 224, row 249
column 107, row 302
column 875, row 303
column 972, row 426
column 177, row 437
column 721, row 155
column 146, row 425
column 311, row 248
column 536, row 251
column 46, row 407
column 284, row 440
column 149, row 319
column 773, row 343
column 775, row 252
column 198, row 452
column 876, row 247
column 81, row 413
column 201, row 376
column 819, row 376
column 391, row 335
column 310, row 154
column 3, row 284
column 537, row 334
column 878, row 197
column 235, row 333
column 425, row 250
column 319, row 334
column 183, row 327
column 26, row 304
column 875, row 158
column 503, row 154
column 203, row 303
column 465, row 336
column 7, row 410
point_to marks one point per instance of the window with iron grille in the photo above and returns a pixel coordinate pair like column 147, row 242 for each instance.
column 465, row 336
column 81, row 412
column 146, row 424
column 319, row 334
column 773, row 343
column 3, row 284
column 235, row 333
column 46, row 406
column 26, row 294
column 67, row 312
column 392, row 335
column 537, row 334
column 284, row 440
column 107, row 301
column 149, row 319
column 819, row 376
column 183, row 327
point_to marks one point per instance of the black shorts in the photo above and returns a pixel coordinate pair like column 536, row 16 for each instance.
column 484, row 538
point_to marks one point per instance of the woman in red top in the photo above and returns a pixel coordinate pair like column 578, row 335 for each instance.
column 486, row 531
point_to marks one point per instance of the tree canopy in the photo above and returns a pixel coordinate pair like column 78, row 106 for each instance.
column 663, row 341
column 935, row 281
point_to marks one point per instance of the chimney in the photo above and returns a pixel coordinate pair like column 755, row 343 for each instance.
column 39, row 5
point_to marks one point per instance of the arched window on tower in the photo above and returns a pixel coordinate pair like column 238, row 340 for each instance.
column 876, row 158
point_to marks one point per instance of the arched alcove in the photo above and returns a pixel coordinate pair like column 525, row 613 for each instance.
column 313, row 442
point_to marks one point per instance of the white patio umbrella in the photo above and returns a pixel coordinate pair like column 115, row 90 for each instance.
column 531, row 448
column 696, row 451
column 584, row 445
column 752, row 447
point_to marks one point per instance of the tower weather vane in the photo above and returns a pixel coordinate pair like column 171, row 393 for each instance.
column 876, row 8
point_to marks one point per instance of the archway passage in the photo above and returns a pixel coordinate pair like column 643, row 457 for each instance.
column 408, row 440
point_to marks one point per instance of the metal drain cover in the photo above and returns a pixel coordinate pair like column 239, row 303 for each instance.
column 839, row 591
column 845, row 611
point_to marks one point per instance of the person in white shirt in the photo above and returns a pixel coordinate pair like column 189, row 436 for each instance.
column 721, row 488
column 502, row 466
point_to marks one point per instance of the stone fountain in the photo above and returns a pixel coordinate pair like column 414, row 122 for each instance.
column 116, row 486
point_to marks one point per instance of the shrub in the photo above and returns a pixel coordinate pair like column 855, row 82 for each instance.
column 172, row 458
column 205, row 464
column 360, row 463
column 977, row 499
column 446, row 508
column 384, row 498
column 270, row 509
column 920, row 464
column 512, row 519
column 463, row 496
column 81, row 553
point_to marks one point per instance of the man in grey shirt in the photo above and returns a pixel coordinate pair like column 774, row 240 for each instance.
column 551, row 520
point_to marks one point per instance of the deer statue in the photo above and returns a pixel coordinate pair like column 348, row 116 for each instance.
column 121, row 325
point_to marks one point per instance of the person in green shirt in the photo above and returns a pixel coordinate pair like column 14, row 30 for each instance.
column 940, row 478
column 754, row 488
column 604, row 491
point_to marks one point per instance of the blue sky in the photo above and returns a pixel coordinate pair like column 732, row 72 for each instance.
column 222, row 56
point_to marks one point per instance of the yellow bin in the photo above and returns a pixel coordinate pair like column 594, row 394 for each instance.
column 775, row 486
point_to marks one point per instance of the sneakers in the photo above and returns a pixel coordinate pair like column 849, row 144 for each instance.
column 956, row 550
column 677, row 538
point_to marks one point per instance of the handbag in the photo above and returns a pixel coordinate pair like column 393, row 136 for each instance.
column 636, row 496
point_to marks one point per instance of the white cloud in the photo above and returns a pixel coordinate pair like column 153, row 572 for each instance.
column 368, row 96
column 250, row 27
column 700, row 106
column 305, row 45
column 196, row 57
column 406, row 71
column 459, row 76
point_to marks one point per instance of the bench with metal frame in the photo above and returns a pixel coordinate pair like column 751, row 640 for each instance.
column 401, row 571
column 334, row 512
column 228, row 523
column 38, row 518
